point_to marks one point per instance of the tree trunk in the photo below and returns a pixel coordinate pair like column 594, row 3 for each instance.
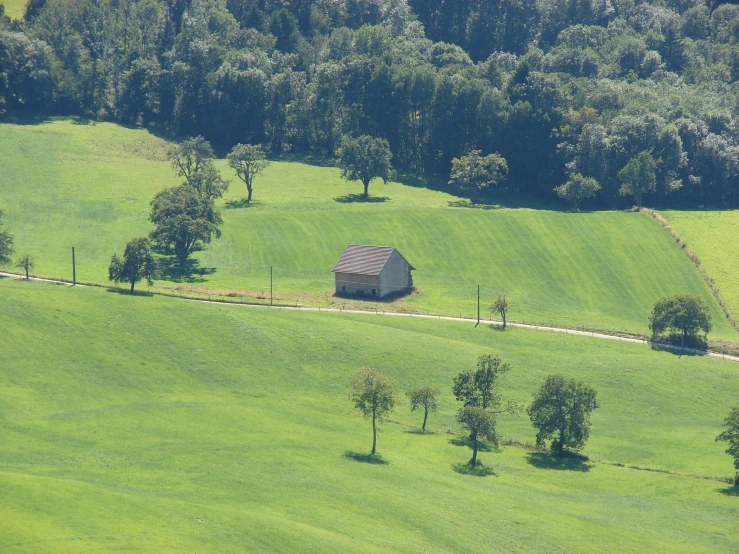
column 473, row 461
column 132, row 285
column 561, row 444
column 425, row 417
column 504, row 323
column 248, row 196
column 26, row 273
column 366, row 189
column 374, row 433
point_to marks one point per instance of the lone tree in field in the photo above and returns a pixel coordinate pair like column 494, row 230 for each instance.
column 184, row 220
column 480, row 388
column 576, row 189
column 423, row 397
column 683, row 313
column 193, row 159
column 731, row 435
column 373, row 394
column 501, row 306
column 561, row 412
column 249, row 161
column 639, row 177
column 366, row 158
column 480, row 424
column 6, row 244
column 138, row 263
column 477, row 173
column 26, row 263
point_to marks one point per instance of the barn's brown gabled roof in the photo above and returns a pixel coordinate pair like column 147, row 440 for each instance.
column 364, row 260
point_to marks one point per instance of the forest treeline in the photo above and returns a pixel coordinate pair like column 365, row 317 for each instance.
column 557, row 87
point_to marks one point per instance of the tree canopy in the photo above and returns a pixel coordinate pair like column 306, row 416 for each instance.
column 731, row 436
column 481, row 387
column 373, row 393
column 193, row 159
column 366, row 158
column 425, row 398
column 561, row 412
column 576, row 189
column 138, row 263
column 6, row 244
column 555, row 88
column 248, row 160
column 480, row 424
column 686, row 314
column 476, row 173
column 184, row 221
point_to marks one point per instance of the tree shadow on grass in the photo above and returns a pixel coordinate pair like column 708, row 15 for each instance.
column 731, row 491
column 360, row 199
column 481, row 446
column 240, row 204
column 419, row 432
column 479, row 470
column 472, row 205
column 569, row 462
column 365, row 458
column 127, row 292
column 171, row 270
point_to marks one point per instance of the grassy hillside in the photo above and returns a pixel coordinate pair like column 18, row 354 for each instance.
column 714, row 236
column 67, row 183
column 150, row 424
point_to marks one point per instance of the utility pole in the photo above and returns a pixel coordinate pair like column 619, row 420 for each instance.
column 74, row 269
column 478, row 305
column 270, row 286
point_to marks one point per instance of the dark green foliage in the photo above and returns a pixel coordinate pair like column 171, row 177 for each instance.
column 366, row 158
column 480, row 388
column 423, row 397
column 373, row 394
column 193, row 160
column 477, row 173
column 731, row 436
column 576, row 189
column 184, row 220
column 25, row 263
column 686, row 314
column 138, row 263
column 638, row 176
column 248, row 161
column 496, row 76
column 561, row 412
column 6, row 244
column 480, row 424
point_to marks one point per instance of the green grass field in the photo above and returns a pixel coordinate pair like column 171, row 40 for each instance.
column 66, row 183
column 159, row 425
column 15, row 8
column 714, row 236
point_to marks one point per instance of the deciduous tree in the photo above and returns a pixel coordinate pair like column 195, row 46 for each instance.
column 731, row 436
column 480, row 424
column 480, row 388
column 249, row 161
column 373, row 394
column 638, row 177
column 366, row 158
column 138, row 263
column 501, row 306
column 576, row 189
column 476, row 173
column 561, row 412
column 423, row 397
column 193, row 160
column 683, row 313
column 184, row 220
column 25, row 263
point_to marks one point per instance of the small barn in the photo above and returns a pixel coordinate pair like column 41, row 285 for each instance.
column 374, row 271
